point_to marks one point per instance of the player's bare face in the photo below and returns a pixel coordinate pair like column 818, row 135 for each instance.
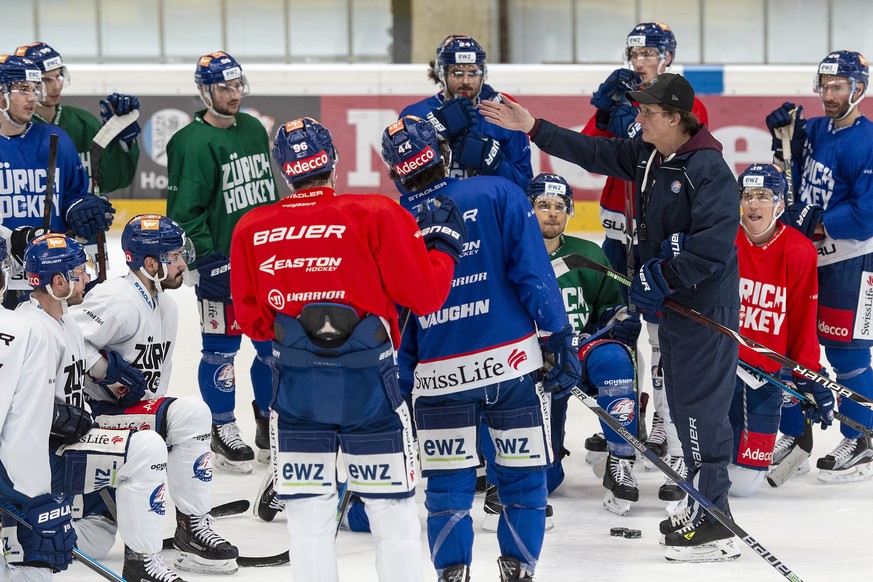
column 648, row 63
column 551, row 213
column 22, row 102
column 464, row 81
column 835, row 93
column 175, row 269
column 758, row 207
column 54, row 85
column 226, row 97
column 80, row 278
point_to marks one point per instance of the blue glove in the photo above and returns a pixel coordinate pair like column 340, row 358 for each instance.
column 601, row 119
column 625, row 326
column 781, row 117
column 89, row 215
column 823, row 411
column 69, row 424
column 674, row 245
column 120, row 371
column 214, row 272
column 562, row 347
column 442, row 227
column 649, row 288
column 803, row 217
column 453, row 117
column 478, row 152
column 619, row 82
column 622, row 120
column 118, row 104
column 52, row 539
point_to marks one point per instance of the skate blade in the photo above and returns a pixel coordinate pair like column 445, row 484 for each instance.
column 614, row 505
column 239, row 467
column 550, row 524
column 719, row 551
column 490, row 522
column 599, row 467
column 852, row 475
column 189, row 562
column 264, row 456
column 594, row 457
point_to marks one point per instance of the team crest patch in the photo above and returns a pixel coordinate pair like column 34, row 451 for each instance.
column 203, row 467
column 158, row 500
column 623, row 410
column 224, row 378
column 675, row 186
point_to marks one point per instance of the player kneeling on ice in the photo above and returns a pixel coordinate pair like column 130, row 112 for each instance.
column 130, row 324
column 88, row 459
column 334, row 332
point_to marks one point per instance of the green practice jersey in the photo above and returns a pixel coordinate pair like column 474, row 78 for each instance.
column 587, row 294
column 215, row 176
column 118, row 164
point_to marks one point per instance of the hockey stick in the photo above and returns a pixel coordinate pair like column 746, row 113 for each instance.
column 87, row 560
column 576, row 261
column 692, row 492
column 50, row 182
column 785, row 134
column 642, row 398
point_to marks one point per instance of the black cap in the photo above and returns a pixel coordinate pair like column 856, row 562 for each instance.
column 666, row 89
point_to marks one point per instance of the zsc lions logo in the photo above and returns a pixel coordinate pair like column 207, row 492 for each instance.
column 622, row 410
column 224, row 378
column 203, row 467
column 158, row 500
column 675, row 186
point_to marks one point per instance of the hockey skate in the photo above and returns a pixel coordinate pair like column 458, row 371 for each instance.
column 851, row 461
column 790, row 457
column 262, row 435
column 200, row 548
column 493, row 509
column 701, row 540
column 621, row 485
column 230, row 451
column 266, row 504
column 596, row 447
column 657, row 441
column 456, row 573
column 146, row 568
column 511, row 570
column 674, row 523
column 671, row 493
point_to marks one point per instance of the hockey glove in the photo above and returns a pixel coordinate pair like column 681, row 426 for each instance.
column 622, row 120
column 823, row 411
column 803, row 217
column 479, row 152
column 20, row 238
column 625, row 326
column 674, row 245
column 120, row 371
column 214, row 272
column 453, row 117
column 601, row 119
column 781, row 117
column 52, row 538
column 118, row 104
column 89, row 215
column 649, row 288
column 69, row 424
column 562, row 347
column 619, row 82
column 442, row 227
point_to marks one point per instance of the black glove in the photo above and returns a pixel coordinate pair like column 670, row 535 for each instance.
column 20, row 238
column 214, row 272
column 562, row 347
column 453, row 117
column 89, row 215
column 118, row 104
column 823, row 411
column 619, row 82
column 601, row 119
column 803, row 217
column 51, row 538
column 442, row 227
column 478, row 152
column 623, row 120
column 625, row 326
column 120, row 371
column 671, row 247
column 781, row 117
column 70, row 423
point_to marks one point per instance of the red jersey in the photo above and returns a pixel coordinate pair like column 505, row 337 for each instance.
column 779, row 297
column 360, row 250
column 612, row 197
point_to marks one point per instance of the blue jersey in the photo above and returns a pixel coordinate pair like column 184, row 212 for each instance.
column 23, row 177
column 504, row 288
column 837, row 174
column 514, row 144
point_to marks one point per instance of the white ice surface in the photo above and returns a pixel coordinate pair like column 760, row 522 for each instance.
column 821, row 532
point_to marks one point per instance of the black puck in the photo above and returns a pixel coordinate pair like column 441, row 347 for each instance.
column 618, row 532
column 632, row 534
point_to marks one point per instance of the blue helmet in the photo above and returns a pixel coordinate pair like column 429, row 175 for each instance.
column 550, row 185
column 652, row 34
column 410, row 146
column 764, row 176
column 218, row 67
column 459, row 49
column 304, row 148
column 849, row 64
column 50, row 254
column 44, row 57
column 16, row 69
column 154, row 235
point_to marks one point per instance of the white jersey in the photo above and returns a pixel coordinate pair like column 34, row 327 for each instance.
column 65, row 353
column 120, row 315
column 26, row 402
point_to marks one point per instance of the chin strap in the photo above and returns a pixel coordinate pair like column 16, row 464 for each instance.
column 155, row 279
column 852, row 104
column 206, row 97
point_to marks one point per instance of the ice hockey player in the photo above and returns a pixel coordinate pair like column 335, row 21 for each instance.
column 831, row 158
column 335, row 329
column 480, row 356
column 24, row 151
column 87, row 459
column 132, row 321
column 26, row 403
column 597, row 312
column 218, row 168
column 478, row 148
